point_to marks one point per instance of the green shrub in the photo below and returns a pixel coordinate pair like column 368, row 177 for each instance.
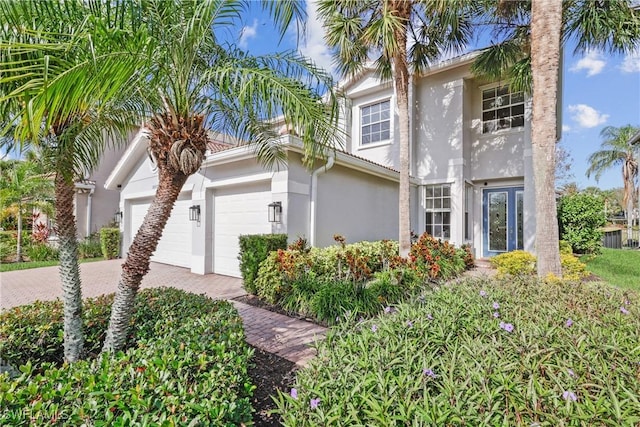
column 34, row 332
column 190, row 370
column 521, row 263
column 565, row 247
column 515, row 263
column 435, row 259
column 7, row 250
column 581, row 217
column 339, row 299
column 90, row 247
column 556, row 355
column 41, row 252
column 254, row 248
column 110, row 242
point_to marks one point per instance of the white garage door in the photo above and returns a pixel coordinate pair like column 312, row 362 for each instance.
column 237, row 210
column 175, row 244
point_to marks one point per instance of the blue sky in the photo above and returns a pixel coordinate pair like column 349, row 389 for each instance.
column 599, row 89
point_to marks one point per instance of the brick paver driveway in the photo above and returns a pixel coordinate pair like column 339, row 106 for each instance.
column 282, row 335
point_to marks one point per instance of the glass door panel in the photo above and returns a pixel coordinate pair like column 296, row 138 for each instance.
column 498, row 221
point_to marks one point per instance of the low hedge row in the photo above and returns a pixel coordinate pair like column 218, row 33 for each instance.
column 254, row 248
column 359, row 278
column 186, row 364
column 480, row 353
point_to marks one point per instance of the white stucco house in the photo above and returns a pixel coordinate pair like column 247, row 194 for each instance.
column 471, row 171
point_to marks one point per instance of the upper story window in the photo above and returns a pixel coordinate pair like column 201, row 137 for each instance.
column 438, row 211
column 501, row 109
column 375, row 121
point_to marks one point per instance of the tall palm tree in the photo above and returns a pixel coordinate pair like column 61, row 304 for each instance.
column 24, row 186
column 546, row 25
column 616, row 150
column 401, row 37
column 63, row 78
column 612, row 26
column 194, row 84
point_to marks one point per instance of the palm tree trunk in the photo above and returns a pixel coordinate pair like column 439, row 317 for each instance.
column 19, row 236
column 546, row 22
column 401, row 82
column 629, row 190
column 137, row 263
column 69, row 271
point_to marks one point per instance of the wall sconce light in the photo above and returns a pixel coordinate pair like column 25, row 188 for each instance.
column 275, row 212
column 117, row 217
column 194, row 213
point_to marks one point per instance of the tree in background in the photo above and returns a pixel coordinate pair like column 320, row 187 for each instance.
column 399, row 38
column 616, row 150
column 611, row 26
column 23, row 187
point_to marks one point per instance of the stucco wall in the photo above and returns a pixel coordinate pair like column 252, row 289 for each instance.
column 356, row 205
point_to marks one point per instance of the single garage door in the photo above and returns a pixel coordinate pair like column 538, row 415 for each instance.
column 175, row 244
column 238, row 210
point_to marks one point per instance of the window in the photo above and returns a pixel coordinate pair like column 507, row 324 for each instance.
column 438, row 211
column 501, row 109
column 375, row 121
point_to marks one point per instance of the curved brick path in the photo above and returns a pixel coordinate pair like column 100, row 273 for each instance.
column 272, row 332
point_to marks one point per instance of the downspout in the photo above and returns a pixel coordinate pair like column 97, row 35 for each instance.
column 314, row 197
column 89, row 206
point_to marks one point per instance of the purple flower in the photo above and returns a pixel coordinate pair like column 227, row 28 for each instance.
column 568, row 323
column 569, row 395
column 624, row 310
column 571, row 373
column 294, row 393
column 313, row 404
column 496, row 305
column 483, row 294
column 374, row 328
column 496, row 314
column 506, row 326
column 428, row 373
column 361, row 319
column 387, row 309
column 409, row 323
column 429, row 316
column 627, row 302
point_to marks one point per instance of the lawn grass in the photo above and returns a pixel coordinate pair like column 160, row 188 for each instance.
column 618, row 267
column 14, row 266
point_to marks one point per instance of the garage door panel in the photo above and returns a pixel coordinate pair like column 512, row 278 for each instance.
column 174, row 246
column 238, row 210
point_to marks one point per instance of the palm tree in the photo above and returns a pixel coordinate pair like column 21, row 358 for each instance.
column 62, row 81
column 194, row 85
column 616, row 150
column 401, row 37
column 24, row 186
column 612, row 26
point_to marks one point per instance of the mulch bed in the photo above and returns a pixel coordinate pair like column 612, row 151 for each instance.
column 269, row 373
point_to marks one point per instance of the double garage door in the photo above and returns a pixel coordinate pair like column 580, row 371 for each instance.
column 236, row 210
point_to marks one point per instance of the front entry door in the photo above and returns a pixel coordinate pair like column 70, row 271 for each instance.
column 502, row 220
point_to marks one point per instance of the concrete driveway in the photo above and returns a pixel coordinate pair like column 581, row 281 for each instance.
column 272, row 332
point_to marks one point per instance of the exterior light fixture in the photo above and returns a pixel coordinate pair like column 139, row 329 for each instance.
column 117, row 217
column 275, row 212
column 194, row 213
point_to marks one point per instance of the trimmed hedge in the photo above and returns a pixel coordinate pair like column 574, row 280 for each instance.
column 110, row 242
column 580, row 219
column 480, row 353
column 522, row 263
column 254, row 248
column 186, row 365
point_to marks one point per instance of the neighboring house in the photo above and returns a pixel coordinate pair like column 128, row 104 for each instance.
column 471, row 170
column 95, row 205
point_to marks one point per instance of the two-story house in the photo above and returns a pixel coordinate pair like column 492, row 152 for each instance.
column 470, row 165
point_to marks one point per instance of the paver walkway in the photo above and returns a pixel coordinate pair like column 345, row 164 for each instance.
column 272, row 332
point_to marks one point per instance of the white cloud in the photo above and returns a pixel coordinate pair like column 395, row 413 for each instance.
column 313, row 46
column 566, row 128
column 248, row 33
column 631, row 62
column 592, row 62
column 587, row 117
